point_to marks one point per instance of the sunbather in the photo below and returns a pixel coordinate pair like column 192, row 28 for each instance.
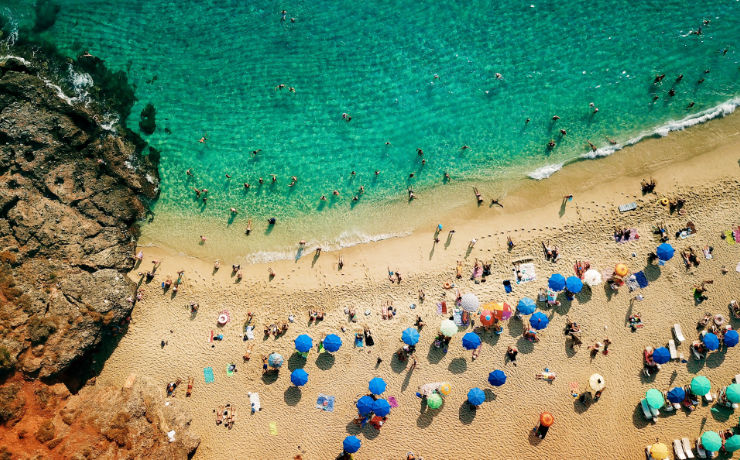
column 702, row 323
column 458, row 270
column 476, row 352
column 531, row 335
column 511, row 353
column 735, row 309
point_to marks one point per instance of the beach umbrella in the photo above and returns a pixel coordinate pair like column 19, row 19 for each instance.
column 732, row 443
column 596, row 382
column 621, row 270
column 497, row 378
column 299, row 377
column 731, row 338
column 546, row 419
column 224, row 317
column 711, row 441
column 351, row 444
column 733, row 393
column 303, row 343
column 365, row 405
column 476, row 397
column 655, row 398
column 659, row 451
column 556, row 282
column 376, row 386
column 471, row 341
column 410, row 336
column 592, row 277
column 526, row 306
column 486, row 318
column 711, row 341
column 381, row 408
column 332, row 342
column 661, row 355
column 539, row 321
column 434, row 401
column 275, row 360
column 700, row 385
column 676, row 395
column 469, row 303
column 502, row 311
column 574, row 284
column 665, row 252
column 448, row 328
column 445, row 388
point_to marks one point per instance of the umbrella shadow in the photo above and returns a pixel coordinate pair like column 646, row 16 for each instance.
column 458, row 365
column 435, row 354
column 570, row 350
column 370, row 431
column 524, row 345
column 652, row 272
column 466, row 413
column 516, row 328
column 296, row 361
column 353, row 428
column 638, row 418
column 270, row 377
column 585, row 295
column 397, row 365
column 425, row 418
column 325, row 361
column 721, row 413
column 406, row 380
column 694, row 365
column 292, row 395
column 715, row 359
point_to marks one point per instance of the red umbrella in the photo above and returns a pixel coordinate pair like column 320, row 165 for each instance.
column 546, row 419
column 486, row 318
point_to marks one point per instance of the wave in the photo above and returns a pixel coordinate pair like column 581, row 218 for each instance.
column 13, row 23
column 718, row 111
column 344, row 240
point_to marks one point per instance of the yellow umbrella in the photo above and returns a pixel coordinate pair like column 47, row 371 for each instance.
column 445, row 388
column 659, row 451
column 621, row 270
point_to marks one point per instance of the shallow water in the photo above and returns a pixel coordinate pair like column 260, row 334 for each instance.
column 213, row 66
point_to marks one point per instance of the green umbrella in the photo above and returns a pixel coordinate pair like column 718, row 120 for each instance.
column 733, row 393
column 448, row 328
column 700, row 385
column 434, row 401
column 711, row 441
column 655, row 398
column 732, row 443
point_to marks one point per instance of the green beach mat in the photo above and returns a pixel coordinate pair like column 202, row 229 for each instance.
column 208, row 374
column 229, row 372
column 729, row 237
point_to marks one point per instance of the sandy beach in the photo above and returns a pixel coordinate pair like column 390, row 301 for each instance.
column 700, row 165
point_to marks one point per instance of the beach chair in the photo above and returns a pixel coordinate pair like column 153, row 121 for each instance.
column 678, row 333
column 647, row 452
column 737, row 378
column 672, row 348
column 678, row 449
column 687, row 448
column 700, row 450
column 646, row 410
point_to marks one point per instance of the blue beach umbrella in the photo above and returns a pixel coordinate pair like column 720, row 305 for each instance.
column 574, row 284
column 526, row 306
column 556, row 282
column 351, row 444
column 365, row 405
column 711, row 341
column 471, row 341
column 332, row 342
column 731, row 338
column 303, row 343
column 497, row 378
column 476, row 396
column 661, row 355
column 299, row 377
column 410, row 336
column 275, row 360
column 539, row 321
column 381, row 408
column 376, row 386
column 676, row 395
column 665, row 252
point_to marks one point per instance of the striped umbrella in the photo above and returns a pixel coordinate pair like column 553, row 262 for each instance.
column 501, row 312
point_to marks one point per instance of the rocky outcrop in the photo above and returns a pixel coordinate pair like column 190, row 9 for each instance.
column 98, row 422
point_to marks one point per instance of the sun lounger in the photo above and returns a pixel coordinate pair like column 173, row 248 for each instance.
column 678, row 333
column 737, row 378
column 672, row 348
column 254, row 400
column 678, row 449
column 627, row 207
column 646, row 410
column 700, row 450
column 687, row 448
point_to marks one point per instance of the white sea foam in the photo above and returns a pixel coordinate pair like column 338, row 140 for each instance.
column 13, row 35
column 59, row 92
column 81, row 82
column 718, row 111
column 17, row 58
column 344, row 240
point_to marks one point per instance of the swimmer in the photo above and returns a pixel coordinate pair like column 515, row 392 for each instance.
column 260, row 181
column 291, row 89
column 672, row 92
column 335, row 193
column 377, row 173
column 551, row 144
column 387, row 143
column 499, row 76
column 249, row 227
column 189, row 172
column 292, row 19
column 464, row 147
column 526, row 122
column 293, row 180
column 274, row 178
column 323, row 198
column 596, row 110
column 691, row 104
column 280, row 86
column 203, row 139
column 679, row 78
column 724, row 51
column 423, row 162
column 563, row 132
column 355, row 198
column 228, row 176
column 234, row 211
column 701, row 80
column 447, row 176
column 362, row 189
column 591, row 104
column 283, row 15
column 555, row 118
column 611, row 141
column 419, row 151
column 197, row 192
column 593, row 147
column 352, row 173
column 255, row 152
column 659, row 78
column 246, row 186
column 411, row 175
column 655, row 98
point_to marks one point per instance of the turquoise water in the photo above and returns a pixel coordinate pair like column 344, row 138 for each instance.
column 212, row 67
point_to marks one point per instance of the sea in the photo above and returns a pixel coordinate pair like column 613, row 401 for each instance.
column 361, row 102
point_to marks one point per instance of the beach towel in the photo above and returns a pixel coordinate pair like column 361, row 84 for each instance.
column 229, row 372
column 457, row 317
column 325, row 403
column 392, row 401
column 627, row 207
column 507, row 286
column 632, row 283
column 254, row 400
column 729, row 237
column 439, row 308
column 250, row 332
column 634, row 235
column 527, row 272
column 641, row 279
column 737, row 235
column 477, row 272
column 273, row 428
column 211, row 338
column 359, row 343
column 208, row 374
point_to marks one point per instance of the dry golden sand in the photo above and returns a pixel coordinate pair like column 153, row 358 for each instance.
column 700, row 164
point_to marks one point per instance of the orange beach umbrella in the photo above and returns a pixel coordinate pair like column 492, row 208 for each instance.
column 546, row 419
column 621, row 270
column 486, row 318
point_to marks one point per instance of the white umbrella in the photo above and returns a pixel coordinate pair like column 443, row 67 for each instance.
column 596, row 382
column 470, row 303
column 592, row 277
